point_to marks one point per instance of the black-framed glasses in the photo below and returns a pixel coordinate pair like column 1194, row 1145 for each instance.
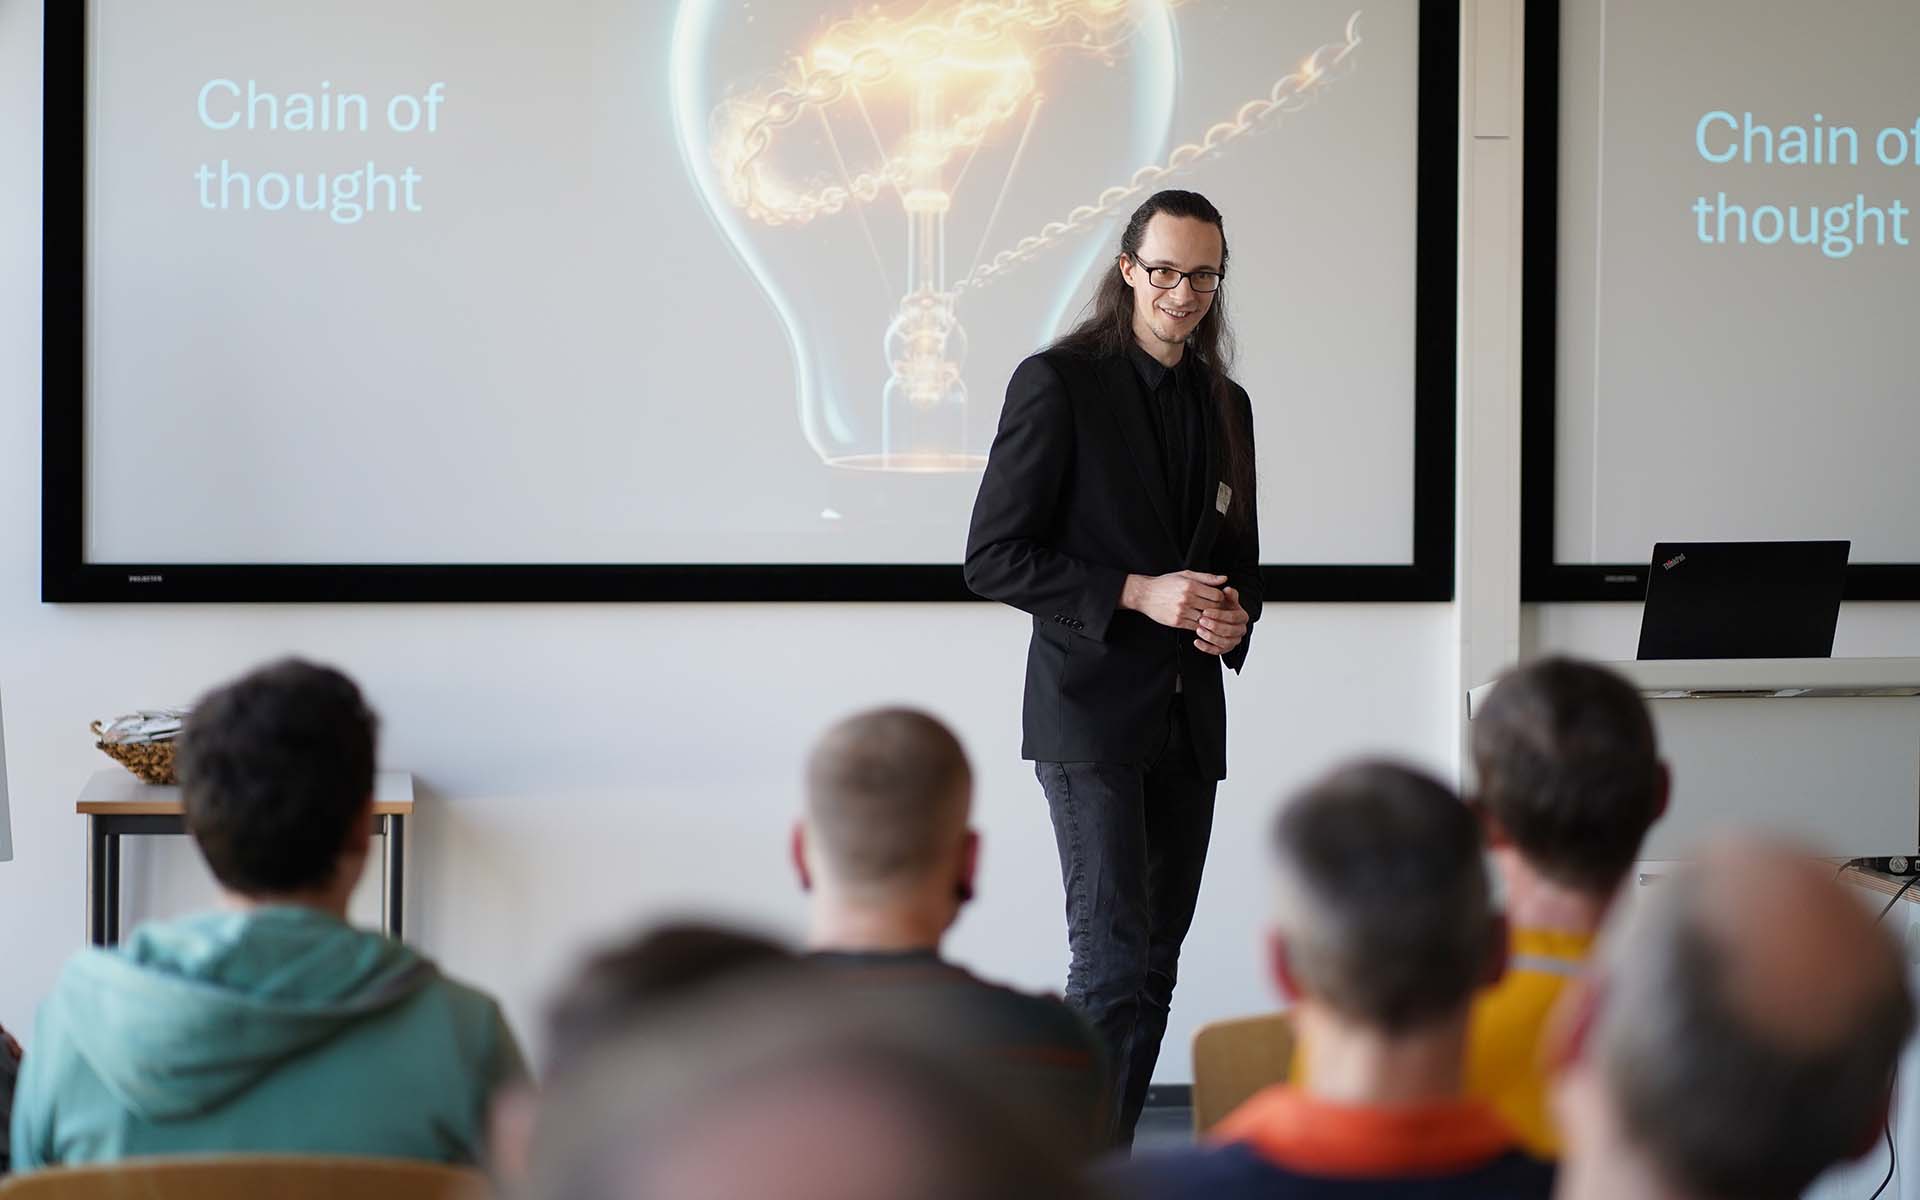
column 1206, row 279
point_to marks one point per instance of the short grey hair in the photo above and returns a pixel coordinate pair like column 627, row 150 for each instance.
column 1385, row 906
column 1721, row 1107
column 887, row 792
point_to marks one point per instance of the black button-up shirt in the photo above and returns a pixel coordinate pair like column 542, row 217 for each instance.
column 1173, row 397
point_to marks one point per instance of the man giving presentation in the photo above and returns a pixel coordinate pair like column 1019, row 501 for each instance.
column 1117, row 508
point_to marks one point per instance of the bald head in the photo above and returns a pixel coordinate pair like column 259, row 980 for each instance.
column 1750, row 1019
column 888, row 793
column 860, row 1125
column 1805, row 964
column 788, row 1089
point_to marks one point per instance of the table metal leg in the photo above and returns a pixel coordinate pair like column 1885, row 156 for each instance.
column 393, row 878
column 112, row 890
column 96, row 881
column 104, row 834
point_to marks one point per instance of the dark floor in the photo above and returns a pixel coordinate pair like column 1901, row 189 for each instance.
column 1166, row 1121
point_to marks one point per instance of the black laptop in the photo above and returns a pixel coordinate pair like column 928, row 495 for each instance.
column 1743, row 599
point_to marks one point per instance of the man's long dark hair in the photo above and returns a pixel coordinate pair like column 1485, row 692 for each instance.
column 1107, row 329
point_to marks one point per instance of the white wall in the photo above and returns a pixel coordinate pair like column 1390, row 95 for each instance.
column 587, row 768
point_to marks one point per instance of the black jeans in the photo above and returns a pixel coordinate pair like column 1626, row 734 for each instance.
column 1132, row 840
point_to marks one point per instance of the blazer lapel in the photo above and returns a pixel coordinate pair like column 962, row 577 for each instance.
column 1123, row 392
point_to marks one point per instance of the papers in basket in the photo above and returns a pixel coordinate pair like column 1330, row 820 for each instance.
column 147, row 725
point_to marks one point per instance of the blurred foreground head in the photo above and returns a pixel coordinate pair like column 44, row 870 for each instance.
column 1739, row 1036
column 615, row 992
column 784, row 1092
column 662, row 967
column 1385, row 916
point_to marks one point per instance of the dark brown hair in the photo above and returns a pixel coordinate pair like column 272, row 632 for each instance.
column 275, row 767
column 1567, row 764
column 1107, row 329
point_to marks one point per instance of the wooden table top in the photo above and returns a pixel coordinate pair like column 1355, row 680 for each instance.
column 115, row 792
column 1886, row 885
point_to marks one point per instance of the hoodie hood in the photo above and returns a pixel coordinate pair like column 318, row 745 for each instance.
column 189, row 1013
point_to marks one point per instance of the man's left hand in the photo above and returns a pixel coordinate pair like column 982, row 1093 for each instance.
column 1223, row 628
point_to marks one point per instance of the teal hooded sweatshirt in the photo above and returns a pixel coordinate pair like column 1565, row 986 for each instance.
column 279, row 1030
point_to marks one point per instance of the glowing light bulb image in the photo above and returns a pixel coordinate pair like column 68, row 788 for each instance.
column 916, row 187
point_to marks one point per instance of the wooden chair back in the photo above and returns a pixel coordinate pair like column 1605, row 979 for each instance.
column 1234, row 1059
column 250, row 1177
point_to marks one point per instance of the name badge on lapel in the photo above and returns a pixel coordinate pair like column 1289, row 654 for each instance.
column 1222, row 498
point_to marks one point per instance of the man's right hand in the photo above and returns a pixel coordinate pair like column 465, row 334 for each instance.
column 1174, row 600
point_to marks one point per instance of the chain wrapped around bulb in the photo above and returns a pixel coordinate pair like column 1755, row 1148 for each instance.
column 960, row 78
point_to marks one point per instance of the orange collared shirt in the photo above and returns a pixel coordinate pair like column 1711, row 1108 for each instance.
column 1311, row 1136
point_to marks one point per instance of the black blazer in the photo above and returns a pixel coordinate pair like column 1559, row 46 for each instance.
column 1074, row 499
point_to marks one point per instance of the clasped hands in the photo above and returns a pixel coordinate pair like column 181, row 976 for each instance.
column 1190, row 600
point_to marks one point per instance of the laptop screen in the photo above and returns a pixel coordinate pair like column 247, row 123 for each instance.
column 1743, row 599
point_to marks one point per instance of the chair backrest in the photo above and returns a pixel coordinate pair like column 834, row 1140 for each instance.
column 1234, row 1059
column 251, row 1177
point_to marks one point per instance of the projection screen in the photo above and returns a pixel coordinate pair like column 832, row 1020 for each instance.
column 472, row 299
column 1726, row 189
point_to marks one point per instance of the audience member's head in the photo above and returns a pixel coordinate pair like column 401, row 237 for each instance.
column 663, row 967
column 1383, row 932
column 885, row 830
column 1738, row 1037
column 787, row 1092
column 1385, row 919
column 664, row 971
column 1569, row 775
column 276, row 774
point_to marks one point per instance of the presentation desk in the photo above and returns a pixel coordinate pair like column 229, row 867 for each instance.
column 1857, row 1180
column 116, row 804
column 1825, row 750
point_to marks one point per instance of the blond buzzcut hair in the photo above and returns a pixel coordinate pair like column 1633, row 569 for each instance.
column 888, row 793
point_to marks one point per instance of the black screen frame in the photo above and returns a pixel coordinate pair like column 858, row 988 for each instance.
column 68, row 577
column 1543, row 578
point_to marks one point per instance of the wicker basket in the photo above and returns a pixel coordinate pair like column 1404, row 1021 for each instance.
column 152, row 762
